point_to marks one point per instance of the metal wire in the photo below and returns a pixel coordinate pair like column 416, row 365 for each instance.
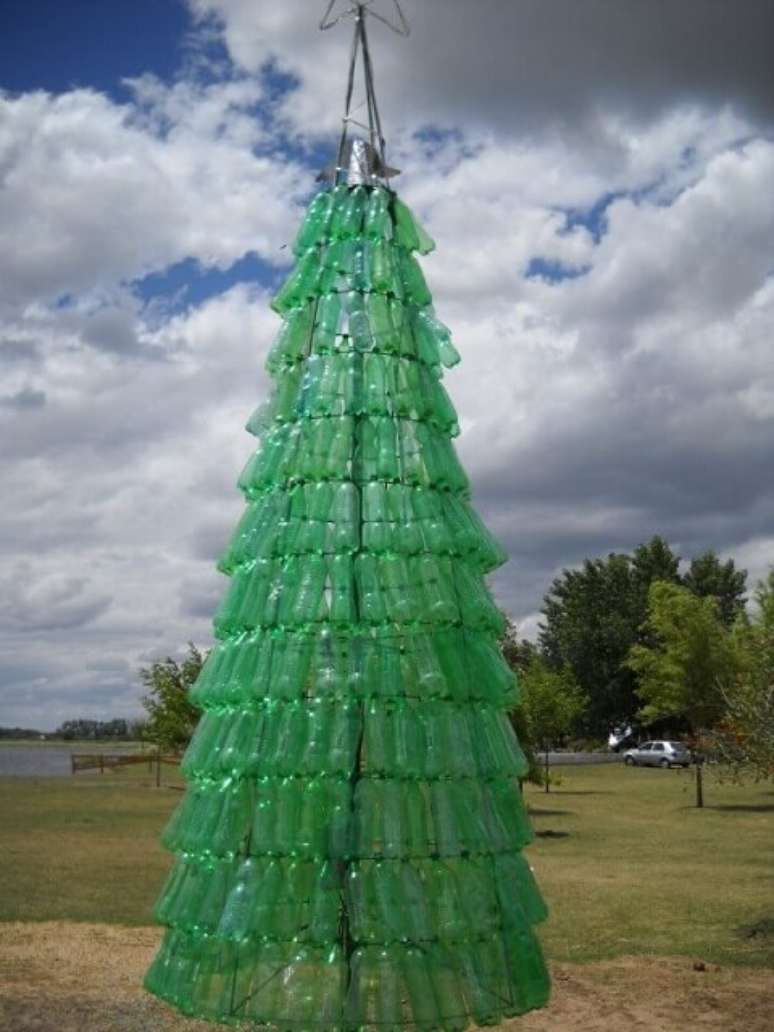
column 402, row 28
column 359, row 11
column 348, row 99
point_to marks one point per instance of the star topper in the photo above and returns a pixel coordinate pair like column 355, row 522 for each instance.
column 358, row 10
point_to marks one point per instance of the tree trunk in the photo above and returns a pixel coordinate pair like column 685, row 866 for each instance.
column 699, row 783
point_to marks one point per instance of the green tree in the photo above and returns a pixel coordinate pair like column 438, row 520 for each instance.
column 592, row 617
column 171, row 717
column 690, row 656
column 709, row 577
column 552, row 703
column 518, row 653
column 654, row 561
column 744, row 740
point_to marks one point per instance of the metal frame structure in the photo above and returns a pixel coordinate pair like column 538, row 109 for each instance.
column 360, row 48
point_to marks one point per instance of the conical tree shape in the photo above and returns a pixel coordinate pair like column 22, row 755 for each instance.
column 349, row 846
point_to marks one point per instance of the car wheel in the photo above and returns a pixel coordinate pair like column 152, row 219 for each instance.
column 629, row 761
column 664, row 763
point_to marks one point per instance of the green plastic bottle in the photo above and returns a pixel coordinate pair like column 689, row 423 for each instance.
column 348, row 852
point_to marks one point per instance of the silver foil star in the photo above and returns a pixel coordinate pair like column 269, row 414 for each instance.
column 360, row 162
column 354, row 10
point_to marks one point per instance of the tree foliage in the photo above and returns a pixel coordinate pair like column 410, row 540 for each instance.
column 171, row 717
column 744, row 739
column 689, row 658
column 709, row 577
column 592, row 616
column 551, row 705
column 83, row 728
column 552, row 702
column 654, row 561
column 517, row 652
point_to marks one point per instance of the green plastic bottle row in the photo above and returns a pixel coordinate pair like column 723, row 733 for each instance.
column 389, row 738
column 447, row 986
column 326, row 518
column 457, row 664
column 344, row 213
column 362, row 265
column 354, row 322
column 290, row 986
column 297, row 987
column 348, row 591
column 372, row 448
column 329, row 816
column 414, row 900
column 352, row 384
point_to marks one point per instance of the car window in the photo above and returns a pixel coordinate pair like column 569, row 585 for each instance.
column 658, row 746
column 646, row 747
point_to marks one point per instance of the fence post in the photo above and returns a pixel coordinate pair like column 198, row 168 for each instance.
column 101, row 763
column 158, row 767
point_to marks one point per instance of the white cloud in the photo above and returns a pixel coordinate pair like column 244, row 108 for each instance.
column 633, row 399
column 516, row 67
column 125, row 464
column 96, row 194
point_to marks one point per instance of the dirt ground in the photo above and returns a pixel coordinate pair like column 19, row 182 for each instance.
column 64, row 977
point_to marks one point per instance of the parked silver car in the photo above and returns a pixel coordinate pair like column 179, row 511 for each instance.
column 658, row 754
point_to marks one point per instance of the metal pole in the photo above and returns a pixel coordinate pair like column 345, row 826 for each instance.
column 360, row 11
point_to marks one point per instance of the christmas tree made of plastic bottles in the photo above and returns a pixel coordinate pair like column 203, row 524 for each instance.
column 348, row 850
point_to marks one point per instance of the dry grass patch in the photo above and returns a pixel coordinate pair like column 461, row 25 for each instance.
column 61, row 977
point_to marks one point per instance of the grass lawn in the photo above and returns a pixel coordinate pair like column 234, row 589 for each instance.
column 627, row 864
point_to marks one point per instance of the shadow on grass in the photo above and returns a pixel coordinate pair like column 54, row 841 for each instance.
column 584, row 791
column 762, row 929
column 535, row 811
column 742, row 807
column 550, row 833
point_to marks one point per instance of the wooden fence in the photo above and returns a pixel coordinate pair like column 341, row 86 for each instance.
column 115, row 761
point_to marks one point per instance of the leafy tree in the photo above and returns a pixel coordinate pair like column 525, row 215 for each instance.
column 137, row 729
column 691, row 656
column 592, row 617
column 744, row 740
column 96, row 729
column 654, row 561
column 552, row 702
column 517, row 653
column 171, row 717
column 709, row 577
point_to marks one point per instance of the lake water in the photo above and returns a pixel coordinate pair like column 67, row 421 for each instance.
column 27, row 761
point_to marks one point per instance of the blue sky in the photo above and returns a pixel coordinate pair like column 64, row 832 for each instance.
column 57, row 46
column 604, row 262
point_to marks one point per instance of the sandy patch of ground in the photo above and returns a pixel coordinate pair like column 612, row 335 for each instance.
column 65, row 977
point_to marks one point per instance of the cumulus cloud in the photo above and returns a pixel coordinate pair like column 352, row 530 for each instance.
column 603, row 260
column 96, row 194
column 111, row 483
column 516, row 67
